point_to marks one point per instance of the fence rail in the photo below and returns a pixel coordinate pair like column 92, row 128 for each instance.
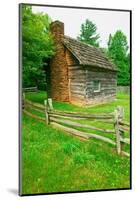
column 65, row 121
column 30, row 89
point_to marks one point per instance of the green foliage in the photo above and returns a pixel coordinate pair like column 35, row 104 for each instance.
column 37, row 46
column 88, row 33
column 118, row 52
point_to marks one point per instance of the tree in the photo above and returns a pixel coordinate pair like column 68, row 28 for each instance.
column 118, row 52
column 37, row 46
column 88, row 33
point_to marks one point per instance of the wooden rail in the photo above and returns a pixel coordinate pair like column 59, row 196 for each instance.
column 30, row 89
column 64, row 121
column 34, row 116
column 83, row 134
column 76, row 124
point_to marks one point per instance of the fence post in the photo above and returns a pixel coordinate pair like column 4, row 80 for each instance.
column 50, row 103
column 119, row 114
column 46, row 112
column 116, row 125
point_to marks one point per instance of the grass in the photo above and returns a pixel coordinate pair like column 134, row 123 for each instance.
column 53, row 161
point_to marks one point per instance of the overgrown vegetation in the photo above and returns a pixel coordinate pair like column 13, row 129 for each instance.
column 56, row 162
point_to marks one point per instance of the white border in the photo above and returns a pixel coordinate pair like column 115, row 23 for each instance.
column 9, row 99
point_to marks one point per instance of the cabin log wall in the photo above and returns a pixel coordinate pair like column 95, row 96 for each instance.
column 81, row 85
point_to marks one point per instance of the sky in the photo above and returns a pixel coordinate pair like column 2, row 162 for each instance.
column 106, row 21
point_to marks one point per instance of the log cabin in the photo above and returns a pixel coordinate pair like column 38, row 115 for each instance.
column 79, row 73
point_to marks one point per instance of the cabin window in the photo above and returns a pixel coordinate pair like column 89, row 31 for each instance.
column 96, row 86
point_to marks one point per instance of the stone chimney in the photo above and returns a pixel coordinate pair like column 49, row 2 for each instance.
column 58, row 65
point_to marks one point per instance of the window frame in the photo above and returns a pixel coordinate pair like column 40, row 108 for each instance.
column 99, row 86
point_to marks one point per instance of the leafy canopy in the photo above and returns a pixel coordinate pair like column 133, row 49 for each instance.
column 88, row 33
column 37, row 46
column 118, row 51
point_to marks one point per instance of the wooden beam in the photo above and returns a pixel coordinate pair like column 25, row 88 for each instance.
column 46, row 112
column 125, row 140
column 123, row 128
column 64, row 117
column 33, row 107
column 37, row 105
column 50, row 104
column 117, row 132
column 82, row 115
column 82, row 134
column 124, row 123
column 34, row 116
column 125, row 153
column 76, row 124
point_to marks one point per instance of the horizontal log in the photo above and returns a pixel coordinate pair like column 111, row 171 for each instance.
column 82, row 134
column 99, row 74
column 34, row 116
column 37, row 105
column 123, row 128
column 79, row 118
column 76, row 124
column 109, row 84
column 33, row 107
column 78, row 71
column 65, row 117
column 80, row 75
column 124, row 123
column 125, row 140
column 125, row 153
column 103, row 80
column 77, row 84
column 108, row 121
column 83, row 115
column 30, row 89
column 81, row 80
column 78, row 88
column 108, row 88
column 79, row 92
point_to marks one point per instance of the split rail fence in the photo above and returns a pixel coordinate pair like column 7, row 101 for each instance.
column 70, row 121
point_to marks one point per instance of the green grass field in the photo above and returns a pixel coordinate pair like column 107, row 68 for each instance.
column 53, row 161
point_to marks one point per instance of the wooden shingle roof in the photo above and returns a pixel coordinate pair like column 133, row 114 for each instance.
column 88, row 54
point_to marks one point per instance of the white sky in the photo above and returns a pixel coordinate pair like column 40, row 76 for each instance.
column 106, row 21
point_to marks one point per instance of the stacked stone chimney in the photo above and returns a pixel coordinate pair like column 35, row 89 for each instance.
column 58, row 65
